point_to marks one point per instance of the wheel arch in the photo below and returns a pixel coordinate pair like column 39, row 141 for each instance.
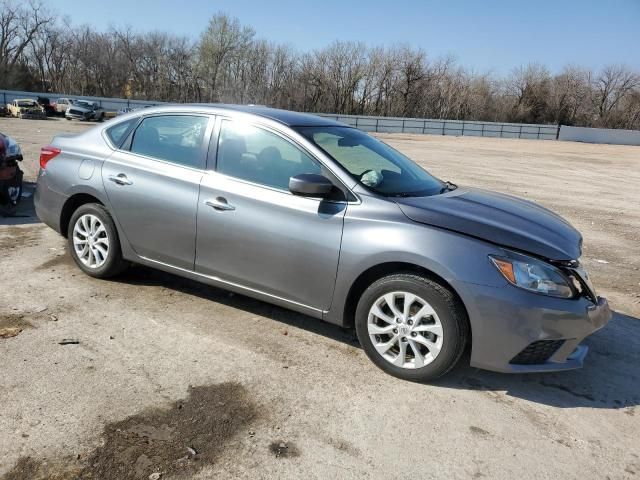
column 72, row 203
column 376, row 272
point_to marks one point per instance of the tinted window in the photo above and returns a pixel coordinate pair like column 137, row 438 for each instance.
column 117, row 133
column 175, row 138
column 373, row 163
column 259, row 156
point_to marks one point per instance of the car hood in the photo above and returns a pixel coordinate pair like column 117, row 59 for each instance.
column 80, row 108
column 501, row 219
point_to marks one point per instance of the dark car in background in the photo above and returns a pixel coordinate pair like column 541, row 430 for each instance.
column 47, row 105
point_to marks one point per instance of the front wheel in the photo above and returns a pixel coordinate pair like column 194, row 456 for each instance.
column 411, row 327
column 94, row 243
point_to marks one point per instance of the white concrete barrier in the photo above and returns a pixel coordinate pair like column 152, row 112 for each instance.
column 599, row 135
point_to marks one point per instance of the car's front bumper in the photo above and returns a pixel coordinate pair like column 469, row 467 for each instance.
column 76, row 116
column 33, row 115
column 507, row 320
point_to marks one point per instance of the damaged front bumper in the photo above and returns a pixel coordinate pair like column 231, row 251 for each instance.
column 34, row 115
column 515, row 331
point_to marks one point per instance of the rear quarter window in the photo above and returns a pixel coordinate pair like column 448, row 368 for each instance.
column 118, row 132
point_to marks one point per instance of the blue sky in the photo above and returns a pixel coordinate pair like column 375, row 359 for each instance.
column 488, row 35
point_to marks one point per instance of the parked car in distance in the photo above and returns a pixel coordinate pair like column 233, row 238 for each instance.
column 26, row 108
column 85, row 110
column 48, row 107
column 319, row 217
column 63, row 104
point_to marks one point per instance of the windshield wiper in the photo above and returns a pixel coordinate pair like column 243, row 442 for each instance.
column 448, row 186
column 403, row 195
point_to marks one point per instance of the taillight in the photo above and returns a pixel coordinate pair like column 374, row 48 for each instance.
column 46, row 154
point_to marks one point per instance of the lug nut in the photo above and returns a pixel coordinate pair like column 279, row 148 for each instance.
column 410, row 322
column 398, row 320
column 395, row 330
column 404, row 339
column 414, row 334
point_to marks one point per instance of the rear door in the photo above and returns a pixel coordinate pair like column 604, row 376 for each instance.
column 152, row 183
column 253, row 232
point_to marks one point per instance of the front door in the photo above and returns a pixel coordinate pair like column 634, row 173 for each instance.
column 253, row 232
column 153, row 183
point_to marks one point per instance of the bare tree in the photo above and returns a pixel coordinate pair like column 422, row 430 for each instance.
column 610, row 88
column 220, row 45
column 19, row 25
column 228, row 63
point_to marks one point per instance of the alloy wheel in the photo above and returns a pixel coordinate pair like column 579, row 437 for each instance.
column 405, row 330
column 90, row 241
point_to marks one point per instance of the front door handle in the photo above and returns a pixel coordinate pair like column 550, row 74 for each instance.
column 120, row 179
column 219, row 203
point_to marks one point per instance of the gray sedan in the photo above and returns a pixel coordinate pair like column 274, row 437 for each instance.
column 321, row 218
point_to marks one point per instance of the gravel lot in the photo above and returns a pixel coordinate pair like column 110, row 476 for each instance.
column 174, row 377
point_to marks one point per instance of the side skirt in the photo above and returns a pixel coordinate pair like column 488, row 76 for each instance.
column 234, row 287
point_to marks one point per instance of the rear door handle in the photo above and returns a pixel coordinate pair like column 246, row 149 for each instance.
column 120, row 179
column 219, row 203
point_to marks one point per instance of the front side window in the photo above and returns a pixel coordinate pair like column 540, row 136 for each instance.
column 373, row 163
column 174, row 138
column 256, row 155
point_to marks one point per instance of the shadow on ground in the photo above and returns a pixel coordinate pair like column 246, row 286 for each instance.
column 609, row 379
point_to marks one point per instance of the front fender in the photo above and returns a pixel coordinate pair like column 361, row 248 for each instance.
column 369, row 242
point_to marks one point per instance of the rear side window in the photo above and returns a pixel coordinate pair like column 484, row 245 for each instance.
column 118, row 132
column 174, row 138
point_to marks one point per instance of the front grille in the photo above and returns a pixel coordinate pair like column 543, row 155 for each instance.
column 537, row 352
column 76, row 112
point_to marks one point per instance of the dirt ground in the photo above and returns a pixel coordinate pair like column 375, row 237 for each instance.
column 152, row 374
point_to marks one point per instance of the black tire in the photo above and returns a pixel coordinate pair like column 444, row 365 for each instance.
column 114, row 263
column 449, row 309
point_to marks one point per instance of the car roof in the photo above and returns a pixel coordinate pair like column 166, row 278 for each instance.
column 25, row 100
column 286, row 117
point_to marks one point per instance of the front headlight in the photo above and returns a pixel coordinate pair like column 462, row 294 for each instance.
column 534, row 275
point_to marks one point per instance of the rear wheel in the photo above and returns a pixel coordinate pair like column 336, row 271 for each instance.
column 411, row 326
column 94, row 243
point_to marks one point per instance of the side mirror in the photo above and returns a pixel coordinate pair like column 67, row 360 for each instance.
column 310, row 185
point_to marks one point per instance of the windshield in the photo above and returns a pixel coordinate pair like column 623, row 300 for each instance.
column 373, row 163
